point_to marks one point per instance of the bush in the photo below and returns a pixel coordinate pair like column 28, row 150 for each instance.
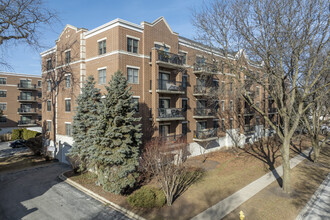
column 147, row 197
column 17, row 134
column 27, row 134
column 35, row 145
column 5, row 137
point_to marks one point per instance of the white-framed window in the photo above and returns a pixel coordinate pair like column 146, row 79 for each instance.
column 102, row 76
column 132, row 45
column 3, row 81
column 49, row 105
column 223, row 126
column 49, row 64
column 135, row 101
column 3, row 106
column 231, row 123
column 67, row 57
column 258, row 90
column 132, row 75
column 184, row 57
column 49, row 85
column 68, row 105
column 231, row 105
column 49, row 125
column 39, row 83
column 3, row 93
column 102, row 47
column 68, row 129
column 222, row 105
column 67, row 81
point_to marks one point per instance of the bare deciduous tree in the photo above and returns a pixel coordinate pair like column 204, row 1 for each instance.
column 287, row 38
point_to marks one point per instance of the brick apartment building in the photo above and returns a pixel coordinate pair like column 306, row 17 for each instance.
column 20, row 96
column 164, row 71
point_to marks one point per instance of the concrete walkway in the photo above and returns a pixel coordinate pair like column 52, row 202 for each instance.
column 318, row 207
column 224, row 207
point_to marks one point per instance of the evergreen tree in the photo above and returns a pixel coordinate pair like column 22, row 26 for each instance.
column 119, row 137
column 84, row 123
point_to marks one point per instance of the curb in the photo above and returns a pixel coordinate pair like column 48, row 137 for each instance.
column 100, row 198
column 307, row 208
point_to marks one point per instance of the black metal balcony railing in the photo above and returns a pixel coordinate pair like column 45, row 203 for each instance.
column 249, row 111
column 27, row 122
column 249, row 128
column 171, row 138
column 170, row 113
column 169, row 85
column 171, row 58
column 205, row 67
column 26, row 98
column 204, row 112
column 204, row 90
column 272, row 110
column 206, row 133
column 26, row 86
column 26, row 110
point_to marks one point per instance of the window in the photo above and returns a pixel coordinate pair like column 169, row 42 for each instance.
column 68, row 129
column 39, row 106
column 258, row 104
column 184, row 105
column 3, row 119
column 164, row 130
column 39, row 83
column 223, row 85
column 132, row 75
column 215, row 83
column 257, row 120
column 49, row 64
column 215, row 124
column 102, row 47
column 184, row 128
column 26, row 96
column 49, row 126
column 231, row 123
column 184, row 57
column 68, row 105
column 231, row 105
column 3, row 81
column 102, row 76
column 184, row 81
column 3, row 106
column 3, row 93
column 67, row 57
column 200, row 60
column 231, row 86
column 258, row 91
column 67, row 81
column 223, row 125
column 39, row 94
column 132, row 45
column 135, row 101
column 49, row 106
column 49, row 85
column 39, row 118
column 222, row 105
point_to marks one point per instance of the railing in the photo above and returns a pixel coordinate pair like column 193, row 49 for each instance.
column 249, row 111
column 204, row 112
column 26, row 86
column 169, row 85
column 204, row 90
column 170, row 113
column 26, row 110
column 171, row 58
column 206, row 133
column 27, row 98
column 205, row 67
column 171, row 138
column 249, row 129
column 272, row 110
column 27, row 122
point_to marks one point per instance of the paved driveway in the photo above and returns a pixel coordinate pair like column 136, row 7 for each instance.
column 38, row 193
column 6, row 151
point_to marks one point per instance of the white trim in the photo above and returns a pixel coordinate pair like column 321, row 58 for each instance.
column 49, row 120
column 3, row 90
column 162, row 44
column 118, row 52
column 183, row 51
column 47, row 52
column 163, row 71
column 69, row 123
column 67, row 50
column 184, row 99
column 67, row 98
column 130, row 36
column 102, row 39
column 17, row 74
column 133, row 67
column 164, row 123
column 102, row 68
column 136, row 96
column 67, row 74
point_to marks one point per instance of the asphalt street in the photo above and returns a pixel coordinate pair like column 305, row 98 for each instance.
column 38, row 193
column 6, row 151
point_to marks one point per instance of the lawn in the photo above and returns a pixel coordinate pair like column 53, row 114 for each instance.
column 226, row 172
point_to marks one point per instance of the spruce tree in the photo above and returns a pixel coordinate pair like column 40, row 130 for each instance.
column 84, row 123
column 119, row 138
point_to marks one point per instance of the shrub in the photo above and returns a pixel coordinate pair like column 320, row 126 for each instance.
column 35, row 145
column 5, row 137
column 27, row 134
column 147, row 197
column 17, row 134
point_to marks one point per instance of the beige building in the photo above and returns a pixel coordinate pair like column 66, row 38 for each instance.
column 20, row 101
column 169, row 75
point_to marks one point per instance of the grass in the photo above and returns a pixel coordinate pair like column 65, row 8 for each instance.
column 225, row 173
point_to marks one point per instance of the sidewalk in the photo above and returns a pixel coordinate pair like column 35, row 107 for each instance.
column 224, row 207
column 318, row 207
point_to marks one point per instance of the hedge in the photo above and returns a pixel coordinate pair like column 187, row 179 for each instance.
column 147, row 197
column 23, row 133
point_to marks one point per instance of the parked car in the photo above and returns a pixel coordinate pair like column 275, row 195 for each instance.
column 17, row 144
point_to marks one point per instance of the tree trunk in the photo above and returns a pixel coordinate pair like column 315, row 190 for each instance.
column 316, row 149
column 285, row 151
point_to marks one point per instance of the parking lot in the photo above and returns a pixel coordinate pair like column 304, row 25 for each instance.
column 6, row 151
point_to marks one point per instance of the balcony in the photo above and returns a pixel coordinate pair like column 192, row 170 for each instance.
column 170, row 114
column 272, row 110
column 170, row 87
column 201, row 113
column 26, row 99
column 203, row 90
column 170, row 60
column 249, row 129
column 249, row 111
column 206, row 68
column 205, row 135
column 26, row 86
column 23, row 111
column 27, row 122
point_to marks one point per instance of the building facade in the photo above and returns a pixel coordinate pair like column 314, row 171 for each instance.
column 170, row 77
column 20, row 101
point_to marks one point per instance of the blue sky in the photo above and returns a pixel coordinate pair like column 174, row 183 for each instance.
column 93, row 13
